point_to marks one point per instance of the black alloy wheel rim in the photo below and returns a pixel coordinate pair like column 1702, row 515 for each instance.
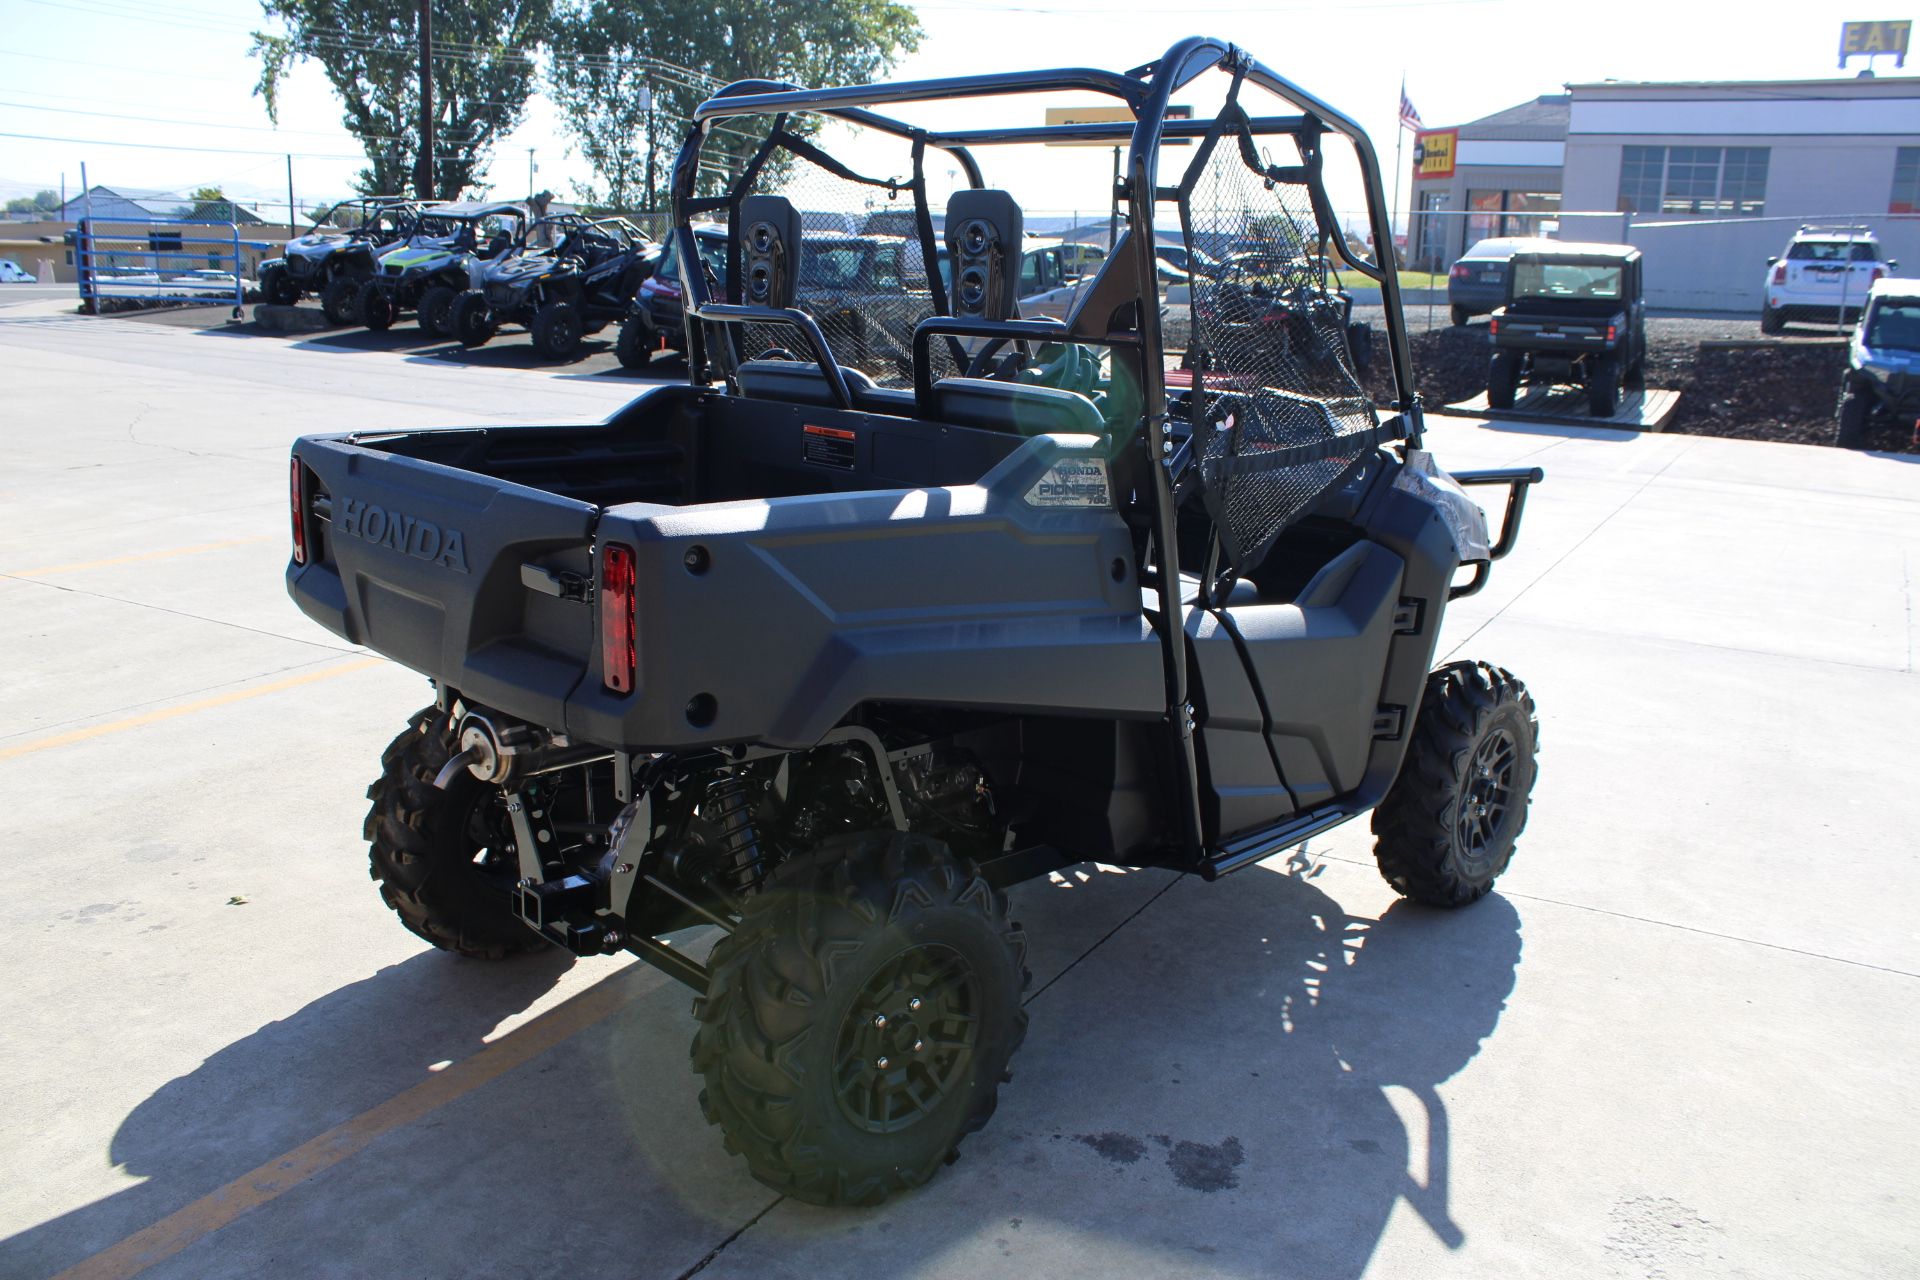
column 908, row 1040
column 1488, row 799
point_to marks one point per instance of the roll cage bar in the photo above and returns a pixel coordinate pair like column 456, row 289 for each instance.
column 1147, row 90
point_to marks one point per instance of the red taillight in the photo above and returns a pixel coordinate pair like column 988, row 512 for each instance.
column 1613, row 332
column 616, row 617
column 1779, row 274
column 298, row 501
column 1493, row 326
column 1877, row 273
column 1459, row 271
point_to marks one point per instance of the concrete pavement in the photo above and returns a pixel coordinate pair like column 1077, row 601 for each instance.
column 1676, row 1043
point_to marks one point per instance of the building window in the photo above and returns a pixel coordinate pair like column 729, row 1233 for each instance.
column 1694, row 180
column 1640, row 169
column 1743, row 182
column 1906, row 181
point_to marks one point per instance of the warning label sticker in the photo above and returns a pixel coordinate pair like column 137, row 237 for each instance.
column 828, row 446
column 1073, row 482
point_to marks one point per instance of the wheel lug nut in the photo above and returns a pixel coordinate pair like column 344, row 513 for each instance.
column 879, row 1019
column 880, row 1063
column 918, row 1045
column 914, row 1004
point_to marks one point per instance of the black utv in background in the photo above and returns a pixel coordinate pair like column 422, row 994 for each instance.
column 333, row 260
column 1574, row 314
column 822, row 665
column 569, row 277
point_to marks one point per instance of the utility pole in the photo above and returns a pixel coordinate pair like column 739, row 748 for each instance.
column 647, row 93
column 530, row 169
column 423, row 174
column 292, row 231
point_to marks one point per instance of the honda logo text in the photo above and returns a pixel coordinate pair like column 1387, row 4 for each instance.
column 421, row 539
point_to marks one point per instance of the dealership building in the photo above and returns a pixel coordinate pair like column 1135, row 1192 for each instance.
column 1707, row 179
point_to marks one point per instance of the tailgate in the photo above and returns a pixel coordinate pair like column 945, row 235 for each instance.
column 459, row 576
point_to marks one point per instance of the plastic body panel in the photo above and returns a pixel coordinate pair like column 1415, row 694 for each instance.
column 801, row 608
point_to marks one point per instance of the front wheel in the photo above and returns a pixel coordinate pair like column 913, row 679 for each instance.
column 1856, row 409
column 859, row 1021
column 444, row 859
column 634, row 347
column 435, row 313
column 472, row 323
column 556, row 330
column 1448, row 826
column 339, row 298
column 375, row 309
column 278, row 288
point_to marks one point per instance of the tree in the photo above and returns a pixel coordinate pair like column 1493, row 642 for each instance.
column 483, row 72
column 604, row 52
column 39, row 202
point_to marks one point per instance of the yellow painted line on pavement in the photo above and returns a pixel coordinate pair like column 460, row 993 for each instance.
column 185, row 708
column 186, row 1227
column 165, row 553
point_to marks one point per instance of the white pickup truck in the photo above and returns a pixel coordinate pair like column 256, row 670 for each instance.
column 1823, row 276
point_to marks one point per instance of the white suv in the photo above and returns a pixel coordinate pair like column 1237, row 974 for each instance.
column 11, row 273
column 1823, row 276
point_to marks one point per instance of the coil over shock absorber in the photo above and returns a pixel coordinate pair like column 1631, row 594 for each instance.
column 729, row 806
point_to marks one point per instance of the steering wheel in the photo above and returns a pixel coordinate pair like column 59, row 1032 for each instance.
column 776, row 353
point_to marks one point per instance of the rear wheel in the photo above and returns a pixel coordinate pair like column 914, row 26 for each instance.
column 443, row 859
column 1603, row 389
column 556, row 330
column 1772, row 320
column 472, row 323
column 435, row 313
column 634, row 348
column 859, row 1021
column 1448, row 826
column 278, row 288
column 1461, row 315
column 375, row 308
column 1503, row 378
column 339, row 299
column 1855, row 412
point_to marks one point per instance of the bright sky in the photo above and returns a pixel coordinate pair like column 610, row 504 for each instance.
column 159, row 93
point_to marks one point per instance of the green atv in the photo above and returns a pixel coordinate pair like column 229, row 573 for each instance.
column 434, row 265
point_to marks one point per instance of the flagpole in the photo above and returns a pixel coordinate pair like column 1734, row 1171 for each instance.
column 1399, row 142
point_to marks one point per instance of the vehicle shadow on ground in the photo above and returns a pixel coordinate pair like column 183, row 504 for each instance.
column 1210, row 1084
column 1570, row 429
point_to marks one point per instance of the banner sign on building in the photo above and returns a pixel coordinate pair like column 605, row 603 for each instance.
column 1866, row 39
column 1434, row 151
column 1110, row 115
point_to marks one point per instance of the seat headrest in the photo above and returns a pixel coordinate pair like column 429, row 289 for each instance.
column 769, row 231
column 984, row 231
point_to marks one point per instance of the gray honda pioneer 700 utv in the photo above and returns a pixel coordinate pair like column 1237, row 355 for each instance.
column 822, row 657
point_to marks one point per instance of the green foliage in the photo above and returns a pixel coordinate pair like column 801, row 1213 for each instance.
column 210, row 193
column 40, row 202
column 603, row 53
column 483, row 73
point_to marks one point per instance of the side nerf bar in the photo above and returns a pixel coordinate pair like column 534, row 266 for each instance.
column 1518, row 480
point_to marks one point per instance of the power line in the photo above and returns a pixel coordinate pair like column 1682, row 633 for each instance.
column 225, row 151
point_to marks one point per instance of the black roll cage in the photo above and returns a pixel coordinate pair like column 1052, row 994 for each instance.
column 1147, row 90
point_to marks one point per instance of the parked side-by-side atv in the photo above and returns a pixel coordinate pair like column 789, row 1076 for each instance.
column 571, row 277
column 1882, row 381
column 817, row 655
column 426, row 272
column 335, row 259
column 1574, row 314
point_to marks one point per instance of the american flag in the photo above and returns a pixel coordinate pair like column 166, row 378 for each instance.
column 1409, row 118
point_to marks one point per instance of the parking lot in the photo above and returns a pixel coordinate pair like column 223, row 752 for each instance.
column 1676, row 1042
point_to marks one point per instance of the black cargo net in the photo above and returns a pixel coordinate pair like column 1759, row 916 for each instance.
column 863, row 272
column 1280, row 415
